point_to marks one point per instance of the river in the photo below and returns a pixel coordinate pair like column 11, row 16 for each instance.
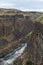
column 11, row 57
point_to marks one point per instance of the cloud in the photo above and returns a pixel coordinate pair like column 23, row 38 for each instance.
column 27, row 9
column 4, row 4
column 40, row 0
column 39, row 10
column 27, row 0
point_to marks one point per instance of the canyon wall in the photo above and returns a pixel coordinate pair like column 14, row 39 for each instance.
column 13, row 28
column 35, row 44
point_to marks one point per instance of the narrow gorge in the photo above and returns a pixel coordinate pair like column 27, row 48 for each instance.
column 18, row 27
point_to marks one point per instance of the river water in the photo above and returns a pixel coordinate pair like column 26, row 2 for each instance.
column 11, row 57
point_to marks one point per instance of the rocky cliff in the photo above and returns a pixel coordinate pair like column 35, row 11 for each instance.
column 35, row 44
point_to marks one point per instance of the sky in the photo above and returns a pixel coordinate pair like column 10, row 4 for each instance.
column 24, row 5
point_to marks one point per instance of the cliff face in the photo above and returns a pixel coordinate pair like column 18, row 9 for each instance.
column 39, row 42
column 15, row 24
column 6, row 23
column 35, row 45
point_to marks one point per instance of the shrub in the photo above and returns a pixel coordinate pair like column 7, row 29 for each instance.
column 28, row 62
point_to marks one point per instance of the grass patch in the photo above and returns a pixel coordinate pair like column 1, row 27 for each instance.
column 28, row 34
column 1, row 37
column 40, row 19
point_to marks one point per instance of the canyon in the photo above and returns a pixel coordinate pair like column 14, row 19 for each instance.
column 17, row 27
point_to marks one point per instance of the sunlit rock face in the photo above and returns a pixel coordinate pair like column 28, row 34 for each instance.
column 6, row 25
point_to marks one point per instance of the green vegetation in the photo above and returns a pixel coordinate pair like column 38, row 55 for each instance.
column 40, row 19
column 29, row 34
column 20, row 62
column 29, row 62
column 1, row 37
column 3, row 44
